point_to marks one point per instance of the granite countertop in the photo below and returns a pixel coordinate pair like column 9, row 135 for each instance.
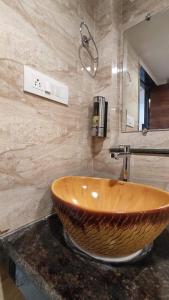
column 40, row 249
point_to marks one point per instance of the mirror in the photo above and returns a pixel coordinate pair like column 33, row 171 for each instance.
column 145, row 85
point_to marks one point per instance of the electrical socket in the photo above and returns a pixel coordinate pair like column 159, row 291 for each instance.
column 37, row 84
column 44, row 86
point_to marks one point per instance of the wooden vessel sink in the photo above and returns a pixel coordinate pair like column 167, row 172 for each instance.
column 110, row 219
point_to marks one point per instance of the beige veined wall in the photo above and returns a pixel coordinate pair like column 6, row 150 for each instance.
column 41, row 140
column 130, row 86
column 145, row 169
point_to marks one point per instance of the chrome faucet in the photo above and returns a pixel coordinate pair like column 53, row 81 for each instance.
column 124, row 152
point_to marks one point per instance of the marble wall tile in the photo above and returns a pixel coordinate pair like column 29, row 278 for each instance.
column 41, row 140
column 106, row 83
column 144, row 169
column 135, row 11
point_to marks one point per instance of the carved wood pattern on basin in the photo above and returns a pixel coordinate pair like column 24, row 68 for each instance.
column 108, row 217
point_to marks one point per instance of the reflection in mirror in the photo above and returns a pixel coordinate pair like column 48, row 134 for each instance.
column 146, row 75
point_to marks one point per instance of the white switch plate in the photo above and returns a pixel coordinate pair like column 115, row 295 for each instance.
column 130, row 121
column 42, row 85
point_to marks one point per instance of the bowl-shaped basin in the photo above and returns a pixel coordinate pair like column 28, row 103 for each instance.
column 109, row 218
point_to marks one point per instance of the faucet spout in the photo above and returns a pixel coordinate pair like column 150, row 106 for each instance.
column 125, row 154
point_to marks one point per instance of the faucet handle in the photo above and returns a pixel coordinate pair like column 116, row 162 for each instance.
column 115, row 155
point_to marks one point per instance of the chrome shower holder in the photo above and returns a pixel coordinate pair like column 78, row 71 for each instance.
column 85, row 43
